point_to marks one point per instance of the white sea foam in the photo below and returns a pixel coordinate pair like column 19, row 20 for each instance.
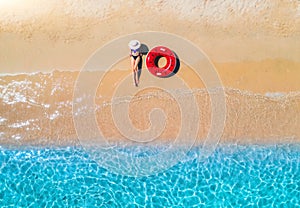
column 13, row 97
column 14, row 92
column 275, row 94
column 20, row 124
column 33, row 128
column 54, row 115
column 17, row 137
column 2, row 120
column 67, row 103
column 38, row 85
column 81, row 110
column 46, row 105
column 56, row 88
column 20, row 73
column 24, row 84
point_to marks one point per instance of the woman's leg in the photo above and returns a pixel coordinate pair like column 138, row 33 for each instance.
column 132, row 62
column 136, row 63
column 136, row 73
column 133, row 68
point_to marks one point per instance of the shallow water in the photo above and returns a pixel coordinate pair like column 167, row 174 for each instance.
column 234, row 176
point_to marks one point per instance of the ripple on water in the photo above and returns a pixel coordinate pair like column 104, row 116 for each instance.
column 233, row 176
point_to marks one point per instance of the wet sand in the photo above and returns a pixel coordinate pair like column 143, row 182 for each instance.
column 42, row 114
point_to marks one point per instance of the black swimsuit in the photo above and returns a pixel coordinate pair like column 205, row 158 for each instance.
column 135, row 57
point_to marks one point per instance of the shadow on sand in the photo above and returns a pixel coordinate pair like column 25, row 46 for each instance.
column 143, row 50
column 177, row 66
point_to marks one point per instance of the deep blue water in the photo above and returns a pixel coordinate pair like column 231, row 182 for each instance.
column 234, row 176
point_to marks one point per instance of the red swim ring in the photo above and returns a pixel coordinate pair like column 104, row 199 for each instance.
column 152, row 61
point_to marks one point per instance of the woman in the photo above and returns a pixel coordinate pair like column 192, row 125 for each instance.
column 135, row 58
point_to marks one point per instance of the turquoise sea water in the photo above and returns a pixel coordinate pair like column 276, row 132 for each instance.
column 234, row 176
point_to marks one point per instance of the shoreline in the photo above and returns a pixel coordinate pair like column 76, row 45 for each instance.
column 78, row 146
column 48, row 116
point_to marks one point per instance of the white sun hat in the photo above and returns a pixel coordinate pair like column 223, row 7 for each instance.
column 134, row 44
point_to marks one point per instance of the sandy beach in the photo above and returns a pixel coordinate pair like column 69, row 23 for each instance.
column 253, row 45
column 247, row 41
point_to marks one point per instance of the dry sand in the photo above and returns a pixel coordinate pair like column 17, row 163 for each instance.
column 253, row 44
column 250, row 42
